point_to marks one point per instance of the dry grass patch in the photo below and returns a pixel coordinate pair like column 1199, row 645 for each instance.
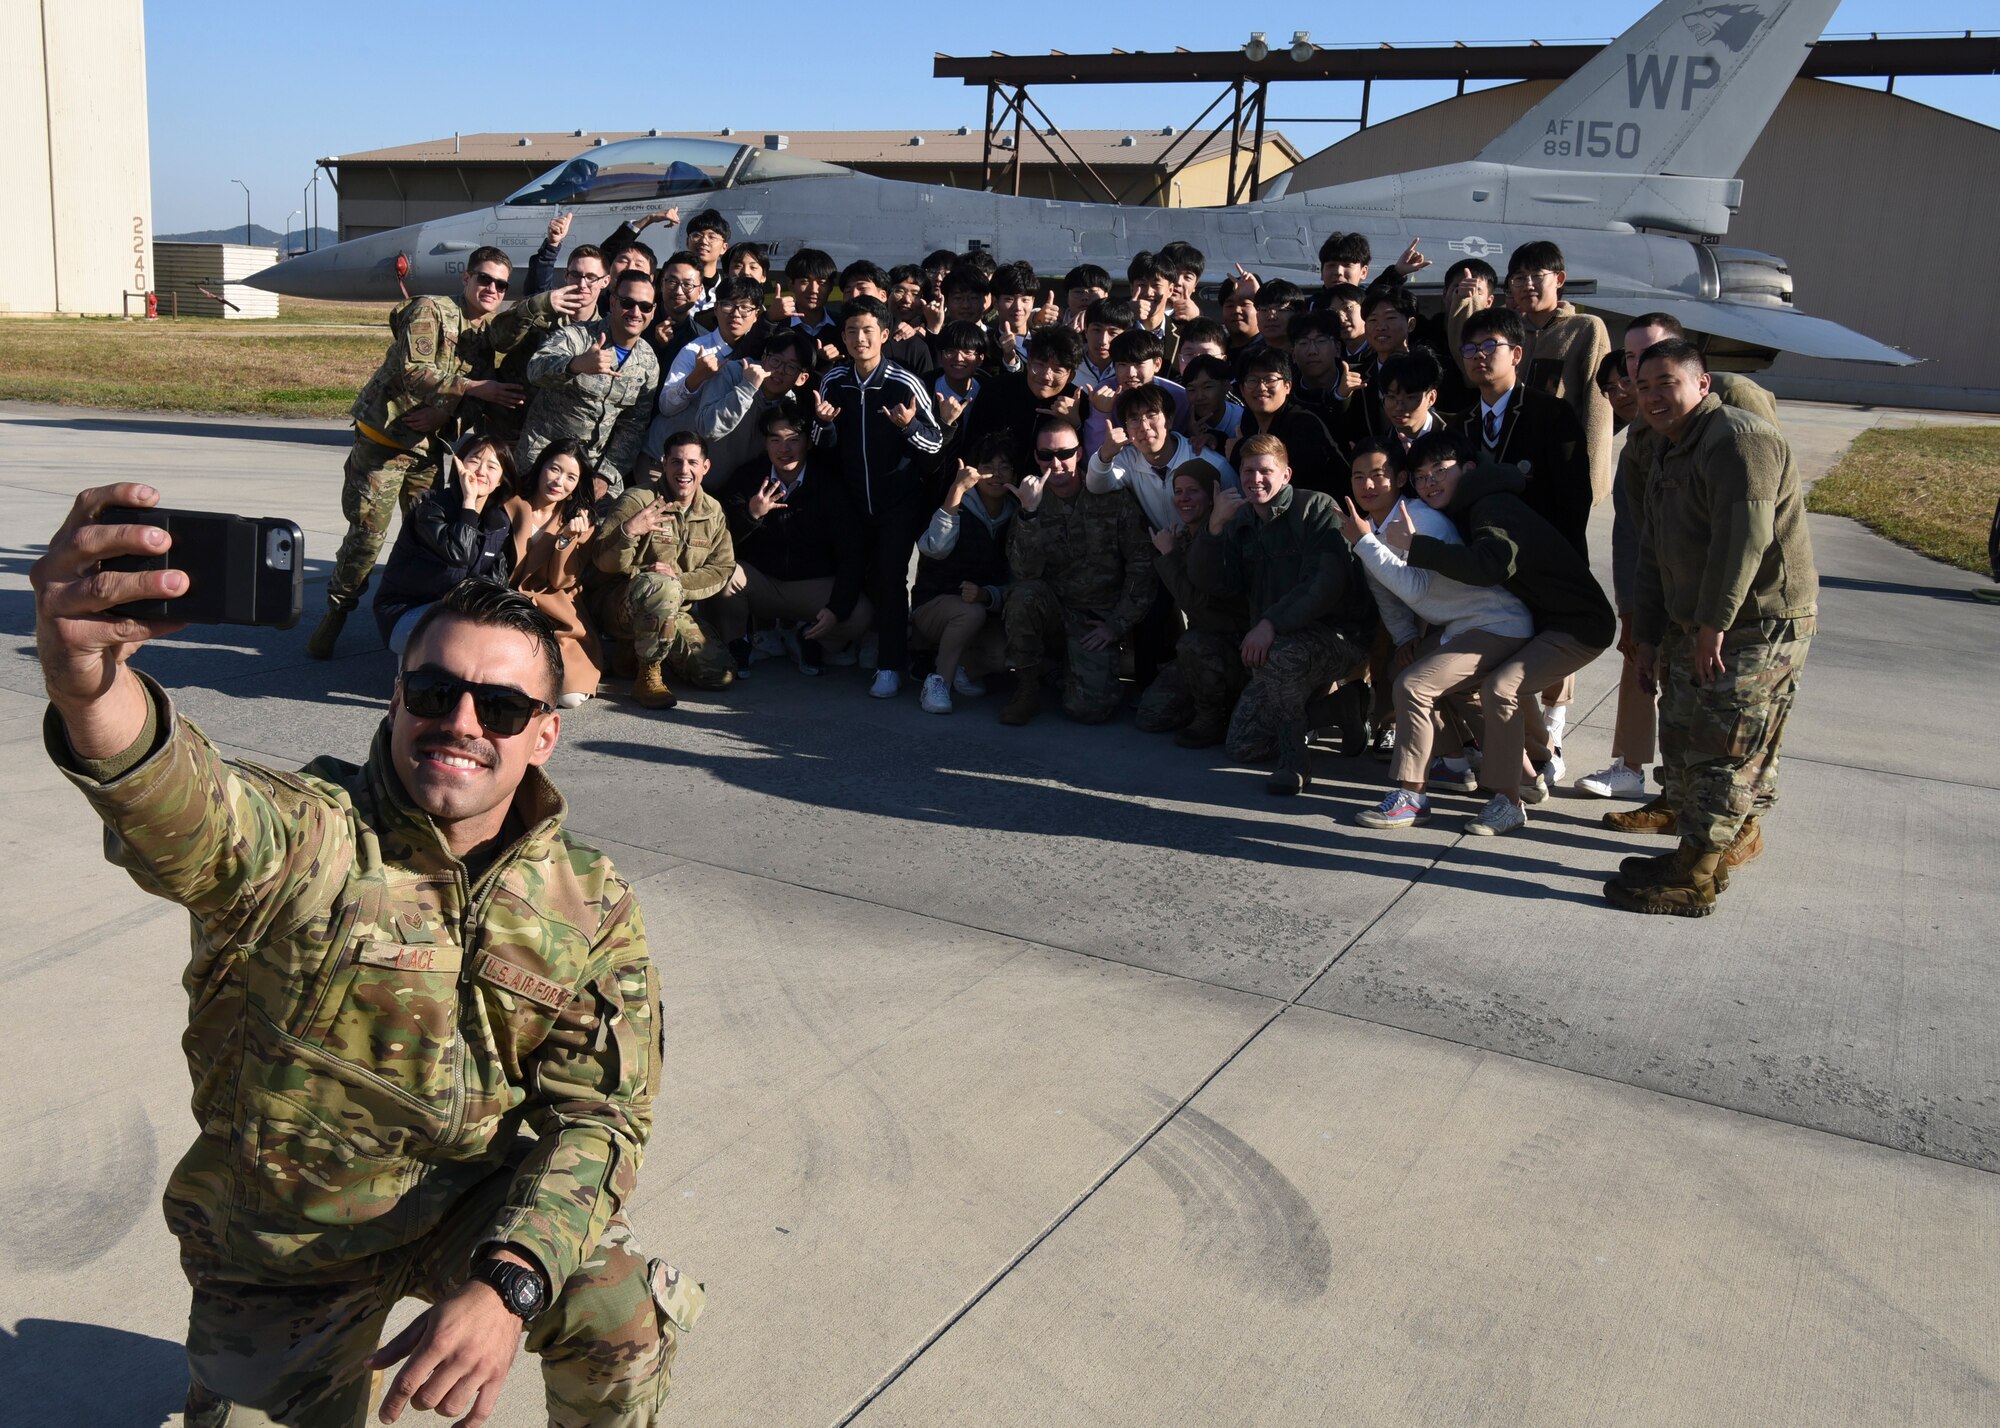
column 1931, row 488
column 310, row 367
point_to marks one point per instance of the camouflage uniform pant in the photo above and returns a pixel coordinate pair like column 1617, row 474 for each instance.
column 374, row 482
column 1201, row 684
column 650, row 612
column 1719, row 741
column 1036, row 621
column 1301, row 666
column 297, row 1354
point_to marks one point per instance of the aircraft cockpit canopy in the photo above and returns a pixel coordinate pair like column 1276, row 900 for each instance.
column 642, row 170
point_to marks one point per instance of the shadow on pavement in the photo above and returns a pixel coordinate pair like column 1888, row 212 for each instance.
column 221, row 430
column 54, row 1371
column 1891, row 587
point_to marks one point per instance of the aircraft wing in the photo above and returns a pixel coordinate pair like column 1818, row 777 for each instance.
column 1775, row 327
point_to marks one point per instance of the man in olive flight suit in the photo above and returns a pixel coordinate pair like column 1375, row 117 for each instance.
column 424, row 1028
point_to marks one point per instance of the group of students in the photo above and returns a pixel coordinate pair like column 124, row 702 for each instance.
column 1315, row 510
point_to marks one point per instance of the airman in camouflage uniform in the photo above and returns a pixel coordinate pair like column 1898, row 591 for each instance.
column 1727, row 599
column 1082, row 563
column 1310, row 607
column 654, row 556
column 1195, row 693
column 586, row 392
column 404, row 1059
column 403, row 417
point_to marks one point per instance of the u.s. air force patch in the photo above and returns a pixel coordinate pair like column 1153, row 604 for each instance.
column 522, row 983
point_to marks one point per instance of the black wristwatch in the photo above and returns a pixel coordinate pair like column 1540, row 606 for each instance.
column 521, row 1289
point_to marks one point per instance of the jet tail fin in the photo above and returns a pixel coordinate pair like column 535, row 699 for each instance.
column 1686, row 90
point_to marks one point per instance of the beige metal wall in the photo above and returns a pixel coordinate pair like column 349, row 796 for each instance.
column 1882, row 208
column 75, row 162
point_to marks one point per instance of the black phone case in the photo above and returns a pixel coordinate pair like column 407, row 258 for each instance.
column 223, row 558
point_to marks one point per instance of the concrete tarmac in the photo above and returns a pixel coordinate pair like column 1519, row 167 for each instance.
column 1058, row 1076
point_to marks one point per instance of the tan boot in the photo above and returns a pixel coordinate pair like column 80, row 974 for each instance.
column 1746, row 847
column 1655, row 817
column 649, row 689
column 1689, row 891
column 1641, row 873
column 1204, row 732
column 1027, row 698
column 326, row 634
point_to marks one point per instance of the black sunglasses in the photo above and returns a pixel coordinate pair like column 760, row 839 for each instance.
column 636, row 305
column 432, row 694
column 487, row 280
column 1056, row 453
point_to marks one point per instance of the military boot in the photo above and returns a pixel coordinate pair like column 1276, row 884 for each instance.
column 326, row 634
column 1746, row 847
column 1655, row 817
column 1026, row 702
column 1689, row 892
column 1346, row 709
column 1294, row 772
column 1204, row 731
column 1639, row 873
column 649, row 688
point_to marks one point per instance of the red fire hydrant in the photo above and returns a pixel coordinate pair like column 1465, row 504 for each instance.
column 152, row 306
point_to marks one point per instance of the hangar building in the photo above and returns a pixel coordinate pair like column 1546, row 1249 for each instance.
column 75, row 166
column 1875, row 202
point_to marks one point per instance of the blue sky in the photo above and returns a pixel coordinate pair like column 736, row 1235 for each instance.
column 257, row 92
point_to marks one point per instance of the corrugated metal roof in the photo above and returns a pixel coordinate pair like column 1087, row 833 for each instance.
column 874, row 147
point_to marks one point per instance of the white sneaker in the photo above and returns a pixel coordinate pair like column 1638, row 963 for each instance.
column 936, row 698
column 1500, row 815
column 575, row 699
column 888, row 684
column 869, row 650
column 767, row 644
column 1555, row 768
column 1619, row 781
column 963, row 683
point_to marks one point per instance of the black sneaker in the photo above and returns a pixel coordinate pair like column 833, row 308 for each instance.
column 739, row 655
column 812, row 659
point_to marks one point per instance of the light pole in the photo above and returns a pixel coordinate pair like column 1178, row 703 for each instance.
column 246, row 209
column 295, row 213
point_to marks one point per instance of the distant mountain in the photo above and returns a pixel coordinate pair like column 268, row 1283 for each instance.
column 260, row 237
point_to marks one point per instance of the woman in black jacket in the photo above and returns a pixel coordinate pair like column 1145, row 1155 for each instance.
column 459, row 531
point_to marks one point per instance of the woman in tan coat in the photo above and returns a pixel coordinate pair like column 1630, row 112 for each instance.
column 552, row 527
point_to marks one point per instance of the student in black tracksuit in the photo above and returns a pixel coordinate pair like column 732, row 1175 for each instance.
column 878, row 417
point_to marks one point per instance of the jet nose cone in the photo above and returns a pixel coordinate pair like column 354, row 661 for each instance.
column 361, row 268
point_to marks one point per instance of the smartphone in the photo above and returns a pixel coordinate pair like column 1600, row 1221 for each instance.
column 240, row 570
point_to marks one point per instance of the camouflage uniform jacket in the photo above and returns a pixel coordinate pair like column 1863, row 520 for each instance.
column 433, row 352
column 1295, row 567
column 370, row 1031
column 1094, row 550
column 1722, row 534
column 604, row 412
column 695, row 542
column 1635, row 464
column 1205, row 610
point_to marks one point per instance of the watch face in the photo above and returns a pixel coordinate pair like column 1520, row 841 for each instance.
column 527, row 1293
